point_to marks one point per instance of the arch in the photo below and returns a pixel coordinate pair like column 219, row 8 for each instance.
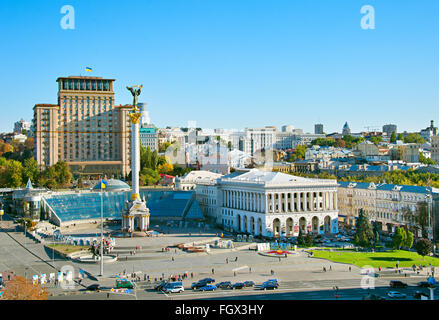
column 260, row 226
column 315, row 225
column 302, row 225
column 245, row 224
column 276, row 227
column 239, row 222
column 290, row 227
column 327, row 224
column 252, row 225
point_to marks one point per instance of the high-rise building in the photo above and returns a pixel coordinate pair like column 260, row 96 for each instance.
column 85, row 129
column 389, row 129
column 435, row 148
column 21, row 125
column 318, row 128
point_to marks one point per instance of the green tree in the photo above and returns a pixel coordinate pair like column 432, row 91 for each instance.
column 149, row 176
column 11, row 173
column 393, row 137
column 400, row 137
column 63, row 175
column 413, row 138
column 399, row 238
column 31, row 170
column 364, row 235
column 300, row 151
column 423, row 247
column 376, row 139
column 408, row 243
column 308, row 240
column 424, row 160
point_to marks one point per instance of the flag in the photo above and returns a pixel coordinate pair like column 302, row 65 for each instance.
column 88, row 69
column 103, row 184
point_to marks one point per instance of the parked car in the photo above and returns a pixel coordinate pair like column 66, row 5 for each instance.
column 419, row 294
column 159, row 286
column 209, row 287
column 93, row 287
column 224, row 285
column 198, row 285
column 207, row 280
column 373, row 297
column 423, row 284
column 238, row 285
column 396, row 295
column 398, row 284
column 249, row 283
column 269, row 285
column 174, row 289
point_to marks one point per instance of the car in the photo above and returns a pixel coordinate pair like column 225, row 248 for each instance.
column 224, row 285
column 208, row 287
column 419, row 295
column 93, row 287
column 397, row 284
column 198, row 285
column 238, row 285
column 207, row 280
column 159, row 286
column 124, row 284
column 249, row 283
column 373, row 297
column 269, row 285
column 396, row 295
column 423, row 284
column 174, row 289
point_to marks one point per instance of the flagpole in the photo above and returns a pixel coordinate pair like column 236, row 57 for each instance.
column 102, row 233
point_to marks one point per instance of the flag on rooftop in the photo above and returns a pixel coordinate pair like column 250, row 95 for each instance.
column 88, row 69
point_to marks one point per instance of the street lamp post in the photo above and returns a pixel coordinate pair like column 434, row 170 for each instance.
column 102, row 234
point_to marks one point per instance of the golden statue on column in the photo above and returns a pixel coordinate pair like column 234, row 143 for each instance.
column 135, row 209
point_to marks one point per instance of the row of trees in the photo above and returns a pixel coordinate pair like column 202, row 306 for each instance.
column 368, row 235
column 408, row 177
column 347, row 141
column 14, row 174
column 152, row 165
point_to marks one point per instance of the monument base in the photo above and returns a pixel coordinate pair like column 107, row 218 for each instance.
column 136, row 217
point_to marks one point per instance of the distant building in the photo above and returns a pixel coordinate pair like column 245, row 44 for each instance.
column 318, row 128
column 407, row 152
column 21, row 125
column 389, row 129
column 429, row 132
column 346, row 130
column 149, row 138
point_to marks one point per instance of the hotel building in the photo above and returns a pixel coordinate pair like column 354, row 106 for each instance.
column 85, row 128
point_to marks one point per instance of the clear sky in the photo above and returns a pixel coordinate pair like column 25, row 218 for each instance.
column 232, row 63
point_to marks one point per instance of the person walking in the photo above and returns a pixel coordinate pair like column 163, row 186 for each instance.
column 213, row 271
column 227, row 260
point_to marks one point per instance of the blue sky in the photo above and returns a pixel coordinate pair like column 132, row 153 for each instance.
column 232, row 63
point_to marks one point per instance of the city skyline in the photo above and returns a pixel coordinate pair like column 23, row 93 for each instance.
column 255, row 63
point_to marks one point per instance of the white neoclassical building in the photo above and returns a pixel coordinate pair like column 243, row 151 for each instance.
column 274, row 204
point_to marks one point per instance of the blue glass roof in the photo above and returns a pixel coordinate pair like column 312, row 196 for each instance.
column 162, row 204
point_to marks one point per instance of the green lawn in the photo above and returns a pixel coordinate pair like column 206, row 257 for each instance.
column 377, row 259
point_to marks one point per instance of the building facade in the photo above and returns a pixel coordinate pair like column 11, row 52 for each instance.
column 388, row 204
column 85, row 129
column 274, row 204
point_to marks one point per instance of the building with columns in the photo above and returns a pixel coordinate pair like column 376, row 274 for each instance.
column 274, row 204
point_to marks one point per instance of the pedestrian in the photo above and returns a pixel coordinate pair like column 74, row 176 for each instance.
column 108, row 295
column 213, row 271
column 172, row 258
column 330, row 268
column 236, row 259
column 349, row 268
column 192, row 274
column 234, row 273
column 279, row 259
column 227, row 260
column 250, row 269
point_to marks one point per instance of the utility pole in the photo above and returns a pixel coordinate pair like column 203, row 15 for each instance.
column 102, row 233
